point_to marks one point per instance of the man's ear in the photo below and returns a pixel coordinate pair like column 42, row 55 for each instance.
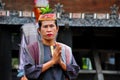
column 57, row 28
column 38, row 30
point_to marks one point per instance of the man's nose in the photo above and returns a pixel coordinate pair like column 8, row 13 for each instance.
column 49, row 29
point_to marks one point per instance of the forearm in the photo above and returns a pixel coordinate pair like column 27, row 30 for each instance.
column 63, row 65
column 47, row 65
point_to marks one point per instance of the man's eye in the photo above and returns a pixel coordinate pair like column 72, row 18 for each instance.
column 51, row 25
column 45, row 26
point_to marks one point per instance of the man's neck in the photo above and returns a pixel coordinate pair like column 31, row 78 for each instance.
column 49, row 42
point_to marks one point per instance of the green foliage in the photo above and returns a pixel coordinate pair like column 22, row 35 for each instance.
column 45, row 10
column 15, row 62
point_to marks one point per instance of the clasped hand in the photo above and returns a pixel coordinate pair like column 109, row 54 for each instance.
column 57, row 54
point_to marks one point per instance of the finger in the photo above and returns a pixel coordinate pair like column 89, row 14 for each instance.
column 24, row 78
column 21, row 78
column 58, row 47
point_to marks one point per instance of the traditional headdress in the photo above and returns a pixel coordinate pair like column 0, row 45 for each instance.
column 43, row 11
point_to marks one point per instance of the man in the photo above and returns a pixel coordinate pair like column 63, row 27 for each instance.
column 48, row 59
column 45, row 58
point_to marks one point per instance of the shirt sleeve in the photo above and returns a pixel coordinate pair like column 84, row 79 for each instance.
column 32, row 70
column 26, row 66
column 25, row 40
column 72, row 67
column 72, row 70
column 21, row 57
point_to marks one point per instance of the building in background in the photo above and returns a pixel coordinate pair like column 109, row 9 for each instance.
column 90, row 27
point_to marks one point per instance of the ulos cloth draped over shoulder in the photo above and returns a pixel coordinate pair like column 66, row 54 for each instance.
column 37, row 54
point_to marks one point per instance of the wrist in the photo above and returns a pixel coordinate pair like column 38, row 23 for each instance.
column 52, row 62
column 60, row 62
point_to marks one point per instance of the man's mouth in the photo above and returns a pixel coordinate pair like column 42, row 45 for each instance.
column 49, row 35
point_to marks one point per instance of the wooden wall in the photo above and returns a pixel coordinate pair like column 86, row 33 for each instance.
column 101, row 6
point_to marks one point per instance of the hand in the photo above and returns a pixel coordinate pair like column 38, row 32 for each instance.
column 24, row 78
column 57, row 54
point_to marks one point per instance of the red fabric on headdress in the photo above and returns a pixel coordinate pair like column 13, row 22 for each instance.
column 37, row 13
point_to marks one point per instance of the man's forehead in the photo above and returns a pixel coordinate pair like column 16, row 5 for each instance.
column 48, row 22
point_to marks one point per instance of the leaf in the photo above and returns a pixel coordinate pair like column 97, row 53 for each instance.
column 47, row 7
column 50, row 10
column 43, row 10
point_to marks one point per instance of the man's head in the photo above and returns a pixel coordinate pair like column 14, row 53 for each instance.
column 48, row 29
column 47, row 20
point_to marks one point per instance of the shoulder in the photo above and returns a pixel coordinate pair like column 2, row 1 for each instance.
column 32, row 45
column 65, row 46
column 26, row 25
column 29, row 28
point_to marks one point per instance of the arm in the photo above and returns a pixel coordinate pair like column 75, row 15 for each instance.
column 72, row 68
column 25, row 40
column 21, row 57
column 55, row 58
column 32, row 70
column 63, row 65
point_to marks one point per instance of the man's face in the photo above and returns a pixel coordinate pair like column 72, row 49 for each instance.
column 48, row 30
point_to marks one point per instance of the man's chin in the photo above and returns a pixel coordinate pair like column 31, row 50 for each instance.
column 49, row 39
